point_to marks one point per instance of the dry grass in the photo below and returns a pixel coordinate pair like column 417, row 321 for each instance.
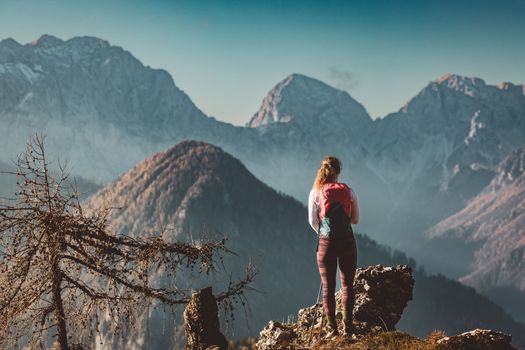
column 395, row 340
column 245, row 344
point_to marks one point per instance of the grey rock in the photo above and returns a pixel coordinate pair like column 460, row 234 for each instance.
column 201, row 322
column 478, row 339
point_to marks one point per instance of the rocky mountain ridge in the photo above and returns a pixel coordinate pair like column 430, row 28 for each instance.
column 100, row 107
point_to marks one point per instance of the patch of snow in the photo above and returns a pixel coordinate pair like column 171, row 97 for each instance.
column 469, row 92
column 475, row 166
column 38, row 68
column 107, row 61
column 27, row 72
column 474, row 127
column 26, row 98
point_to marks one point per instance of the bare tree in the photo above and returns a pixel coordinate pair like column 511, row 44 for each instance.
column 61, row 270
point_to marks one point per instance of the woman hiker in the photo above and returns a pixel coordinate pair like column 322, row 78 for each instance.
column 332, row 208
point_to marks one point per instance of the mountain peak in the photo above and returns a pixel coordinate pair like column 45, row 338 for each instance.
column 193, row 153
column 304, row 100
column 470, row 86
column 467, row 85
column 186, row 185
column 88, row 41
column 10, row 43
column 78, row 44
column 47, row 41
column 185, row 164
column 457, row 79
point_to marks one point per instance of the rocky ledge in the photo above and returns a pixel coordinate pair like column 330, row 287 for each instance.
column 382, row 293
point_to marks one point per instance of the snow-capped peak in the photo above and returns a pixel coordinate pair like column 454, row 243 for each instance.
column 467, row 85
column 305, row 100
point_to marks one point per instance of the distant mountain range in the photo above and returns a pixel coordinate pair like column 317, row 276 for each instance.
column 197, row 190
column 105, row 111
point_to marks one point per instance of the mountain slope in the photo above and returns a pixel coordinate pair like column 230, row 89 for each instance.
column 493, row 224
column 491, row 228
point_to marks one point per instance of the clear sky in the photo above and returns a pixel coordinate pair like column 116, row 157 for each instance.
column 226, row 55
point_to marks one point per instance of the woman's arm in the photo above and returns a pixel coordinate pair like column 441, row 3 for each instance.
column 313, row 210
column 355, row 208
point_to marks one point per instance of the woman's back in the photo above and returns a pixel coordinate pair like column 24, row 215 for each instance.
column 332, row 207
column 315, row 204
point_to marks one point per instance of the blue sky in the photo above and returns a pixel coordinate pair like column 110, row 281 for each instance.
column 226, row 55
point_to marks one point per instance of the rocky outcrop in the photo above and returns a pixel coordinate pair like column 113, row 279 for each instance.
column 201, row 322
column 278, row 336
column 382, row 294
column 478, row 339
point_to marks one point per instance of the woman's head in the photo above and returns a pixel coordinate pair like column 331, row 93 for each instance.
column 328, row 171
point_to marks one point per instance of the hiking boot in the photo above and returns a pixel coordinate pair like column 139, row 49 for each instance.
column 348, row 328
column 331, row 330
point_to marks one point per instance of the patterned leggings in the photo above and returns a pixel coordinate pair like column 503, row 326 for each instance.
column 328, row 253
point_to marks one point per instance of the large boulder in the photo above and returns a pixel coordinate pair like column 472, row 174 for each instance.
column 382, row 293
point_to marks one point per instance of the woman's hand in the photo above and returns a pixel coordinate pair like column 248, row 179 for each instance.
column 355, row 209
